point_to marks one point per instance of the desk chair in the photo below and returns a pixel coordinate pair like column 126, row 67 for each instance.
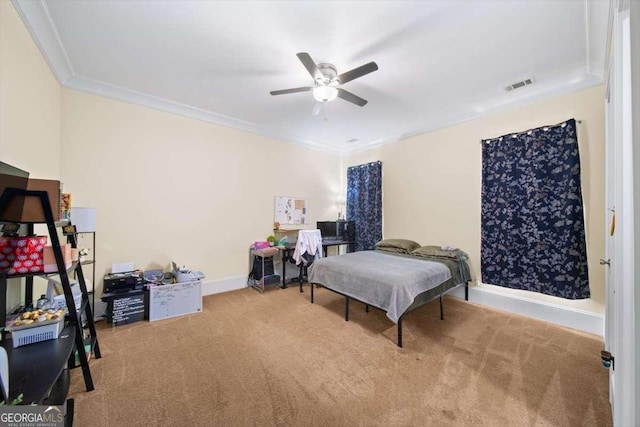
column 308, row 249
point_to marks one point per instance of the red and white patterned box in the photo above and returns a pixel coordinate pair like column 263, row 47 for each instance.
column 21, row 255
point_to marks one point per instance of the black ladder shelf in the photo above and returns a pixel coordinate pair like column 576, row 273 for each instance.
column 73, row 318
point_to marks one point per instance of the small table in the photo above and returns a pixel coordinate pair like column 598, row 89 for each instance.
column 289, row 248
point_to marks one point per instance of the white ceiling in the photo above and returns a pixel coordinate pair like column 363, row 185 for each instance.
column 439, row 63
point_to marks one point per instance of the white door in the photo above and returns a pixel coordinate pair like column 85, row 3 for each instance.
column 611, row 179
column 621, row 324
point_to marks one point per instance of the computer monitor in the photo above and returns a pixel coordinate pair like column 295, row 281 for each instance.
column 328, row 229
column 337, row 230
column 12, row 177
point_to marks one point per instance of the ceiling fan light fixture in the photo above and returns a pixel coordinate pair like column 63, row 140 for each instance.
column 325, row 93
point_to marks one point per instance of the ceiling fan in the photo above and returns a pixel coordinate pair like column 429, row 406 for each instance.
column 326, row 81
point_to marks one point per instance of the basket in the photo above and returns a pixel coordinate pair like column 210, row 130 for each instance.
column 29, row 335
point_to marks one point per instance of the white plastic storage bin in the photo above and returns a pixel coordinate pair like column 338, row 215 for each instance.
column 30, row 335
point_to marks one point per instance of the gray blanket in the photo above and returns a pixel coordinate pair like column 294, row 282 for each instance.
column 388, row 281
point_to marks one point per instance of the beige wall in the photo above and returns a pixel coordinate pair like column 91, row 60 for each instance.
column 168, row 187
column 29, row 101
column 29, row 112
column 432, row 182
column 165, row 187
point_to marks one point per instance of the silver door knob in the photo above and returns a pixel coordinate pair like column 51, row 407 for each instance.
column 605, row 261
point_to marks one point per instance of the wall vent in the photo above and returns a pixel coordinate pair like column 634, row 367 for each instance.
column 518, row 85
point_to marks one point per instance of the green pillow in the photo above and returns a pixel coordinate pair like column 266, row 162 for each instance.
column 438, row 252
column 402, row 246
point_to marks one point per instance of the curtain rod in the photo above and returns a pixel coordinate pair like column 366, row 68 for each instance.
column 366, row 164
column 528, row 130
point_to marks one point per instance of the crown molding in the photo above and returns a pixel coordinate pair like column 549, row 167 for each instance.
column 585, row 81
column 127, row 95
column 120, row 93
column 597, row 29
column 36, row 18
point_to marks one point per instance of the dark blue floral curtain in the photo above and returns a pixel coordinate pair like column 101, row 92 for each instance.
column 364, row 203
column 532, row 214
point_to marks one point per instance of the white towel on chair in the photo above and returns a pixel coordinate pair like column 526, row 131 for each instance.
column 309, row 241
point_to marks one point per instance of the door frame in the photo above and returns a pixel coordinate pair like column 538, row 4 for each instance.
column 634, row 21
column 623, row 308
column 611, row 183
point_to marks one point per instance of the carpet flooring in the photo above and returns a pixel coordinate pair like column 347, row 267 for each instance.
column 274, row 359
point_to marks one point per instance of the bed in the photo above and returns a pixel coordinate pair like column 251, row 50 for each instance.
column 394, row 282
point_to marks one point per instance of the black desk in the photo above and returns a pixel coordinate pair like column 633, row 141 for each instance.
column 288, row 250
column 351, row 244
column 34, row 368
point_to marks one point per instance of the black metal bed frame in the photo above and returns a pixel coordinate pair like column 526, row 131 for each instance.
column 347, row 298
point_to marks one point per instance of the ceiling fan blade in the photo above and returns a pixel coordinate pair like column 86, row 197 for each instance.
column 294, row 90
column 310, row 65
column 357, row 72
column 348, row 96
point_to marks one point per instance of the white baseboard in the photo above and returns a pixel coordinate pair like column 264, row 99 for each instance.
column 223, row 285
column 570, row 317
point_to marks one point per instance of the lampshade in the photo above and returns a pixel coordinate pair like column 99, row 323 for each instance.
column 84, row 219
column 325, row 93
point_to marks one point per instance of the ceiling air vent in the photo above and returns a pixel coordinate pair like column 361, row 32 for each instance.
column 352, row 140
column 518, row 85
